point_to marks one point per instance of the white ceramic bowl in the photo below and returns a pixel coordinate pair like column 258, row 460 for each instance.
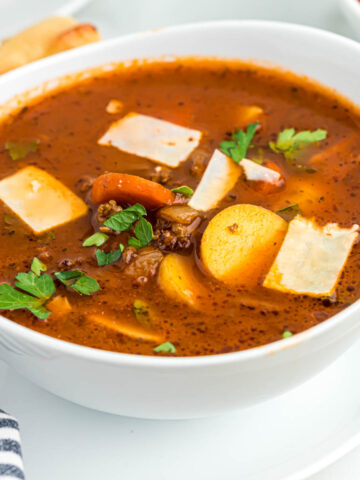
column 164, row 388
column 351, row 9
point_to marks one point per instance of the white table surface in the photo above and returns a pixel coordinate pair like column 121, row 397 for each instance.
column 48, row 439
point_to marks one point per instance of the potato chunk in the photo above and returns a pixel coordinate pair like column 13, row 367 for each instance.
column 179, row 280
column 311, row 258
column 131, row 331
column 240, row 243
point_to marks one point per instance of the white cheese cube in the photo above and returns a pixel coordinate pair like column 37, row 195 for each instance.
column 41, row 201
column 258, row 173
column 219, row 178
column 155, row 139
column 311, row 258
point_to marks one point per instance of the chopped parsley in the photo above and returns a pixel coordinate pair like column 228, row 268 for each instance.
column 39, row 285
column 241, row 141
column 290, row 212
column 21, row 148
column 77, row 280
column 141, row 311
column 288, row 142
column 105, row 258
column 122, row 221
column 143, row 232
column 166, row 347
column 37, row 266
column 97, row 239
column 183, row 190
column 286, row 334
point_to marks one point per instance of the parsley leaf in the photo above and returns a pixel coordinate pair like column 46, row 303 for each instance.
column 166, row 347
column 42, row 287
column 184, row 190
column 77, row 280
column 97, row 239
column 86, row 285
column 105, row 258
column 290, row 212
column 143, row 232
column 122, row 221
column 286, row 334
column 238, row 146
column 21, row 148
column 37, row 266
column 288, row 142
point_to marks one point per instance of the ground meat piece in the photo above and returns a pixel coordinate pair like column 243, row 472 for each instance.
column 144, row 264
column 106, row 210
column 199, row 160
column 129, row 254
column 85, row 183
column 173, row 235
column 161, row 175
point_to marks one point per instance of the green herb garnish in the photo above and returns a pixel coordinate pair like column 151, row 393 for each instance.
column 40, row 286
column 241, row 141
column 288, row 142
column 97, row 239
column 77, row 280
column 37, row 266
column 286, row 334
column 184, row 190
column 105, row 258
column 290, row 212
column 143, row 232
column 21, row 148
column 10, row 220
column 166, row 347
column 122, row 221
column 141, row 310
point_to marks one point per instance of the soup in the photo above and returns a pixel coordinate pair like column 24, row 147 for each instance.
column 187, row 208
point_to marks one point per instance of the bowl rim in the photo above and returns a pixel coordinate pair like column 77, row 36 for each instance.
column 353, row 6
column 59, row 346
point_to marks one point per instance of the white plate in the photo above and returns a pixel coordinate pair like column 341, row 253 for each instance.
column 15, row 15
column 289, row 438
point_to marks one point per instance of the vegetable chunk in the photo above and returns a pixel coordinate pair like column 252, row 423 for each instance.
column 179, row 280
column 219, row 178
column 155, row 139
column 41, row 201
column 131, row 331
column 311, row 258
column 240, row 243
column 130, row 189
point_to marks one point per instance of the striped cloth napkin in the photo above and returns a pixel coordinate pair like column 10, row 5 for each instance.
column 11, row 463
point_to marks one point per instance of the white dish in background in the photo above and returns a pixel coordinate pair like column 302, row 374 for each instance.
column 289, row 438
column 15, row 15
column 153, row 387
column 351, row 9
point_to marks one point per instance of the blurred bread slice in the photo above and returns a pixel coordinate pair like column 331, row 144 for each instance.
column 53, row 35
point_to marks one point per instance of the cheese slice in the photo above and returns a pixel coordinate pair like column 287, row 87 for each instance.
column 155, row 139
column 41, row 201
column 257, row 173
column 311, row 258
column 219, row 178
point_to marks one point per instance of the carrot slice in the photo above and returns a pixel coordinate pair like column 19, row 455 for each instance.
column 130, row 189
